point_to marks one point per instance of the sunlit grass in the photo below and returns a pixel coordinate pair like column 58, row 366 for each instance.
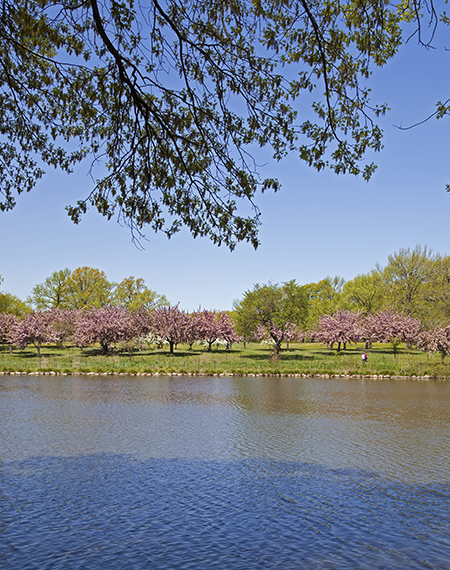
column 254, row 359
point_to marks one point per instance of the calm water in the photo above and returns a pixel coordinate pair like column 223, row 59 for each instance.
column 180, row 473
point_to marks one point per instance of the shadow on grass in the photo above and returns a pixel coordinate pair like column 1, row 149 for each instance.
column 284, row 356
column 32, row 354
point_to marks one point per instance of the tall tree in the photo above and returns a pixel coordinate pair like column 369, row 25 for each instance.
column 324, row 297
column 88, row 287
column 53, row 292
column 275, row 307
column 133, row 294
column 436, row 295
column 363, row 293
column 13, row 305
column 170, row 98
column 406, row 278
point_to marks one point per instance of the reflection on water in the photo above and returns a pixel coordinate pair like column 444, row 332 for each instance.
column 226, row 473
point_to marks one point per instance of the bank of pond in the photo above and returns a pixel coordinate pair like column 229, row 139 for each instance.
column 300, row 359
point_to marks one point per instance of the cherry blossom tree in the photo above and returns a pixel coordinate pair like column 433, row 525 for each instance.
column 390, row 326
column 436, row 340
column 170, row 323
column 213, row 326
column 107, row 326
column 8, row 323
column 277, row 335
column 342, row 327
column 63, row 324
column 35, row 328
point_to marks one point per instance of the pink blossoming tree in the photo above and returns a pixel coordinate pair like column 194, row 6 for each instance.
column 435, row 341
column 107, row 326
column 213, row 326
column 342, row 327
column 8, row 323
column 36, row 328
column 390, row 326
column 170, row 323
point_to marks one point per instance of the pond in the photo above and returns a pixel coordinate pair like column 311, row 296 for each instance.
column 233, row 473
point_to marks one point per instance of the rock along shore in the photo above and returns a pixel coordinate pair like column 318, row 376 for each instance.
column 229, row 374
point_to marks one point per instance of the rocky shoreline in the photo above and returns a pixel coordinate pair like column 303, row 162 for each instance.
column 230, row 374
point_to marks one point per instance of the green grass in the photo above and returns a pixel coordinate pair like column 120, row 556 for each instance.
column 255, row 359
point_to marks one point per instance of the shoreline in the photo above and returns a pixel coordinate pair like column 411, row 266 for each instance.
column 424, row 378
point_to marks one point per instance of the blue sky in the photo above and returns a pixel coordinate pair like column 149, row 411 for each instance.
column 319, row 224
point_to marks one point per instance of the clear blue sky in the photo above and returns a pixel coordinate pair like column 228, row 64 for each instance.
column 319, row 224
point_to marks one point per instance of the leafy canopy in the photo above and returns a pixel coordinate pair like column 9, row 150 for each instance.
column 170, row 100
column 271, row 306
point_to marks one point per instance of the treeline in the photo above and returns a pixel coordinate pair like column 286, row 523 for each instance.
column 117, row 326
column 83, row 288
column 407, row 300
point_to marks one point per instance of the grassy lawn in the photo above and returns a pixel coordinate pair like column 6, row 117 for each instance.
column 255, row 359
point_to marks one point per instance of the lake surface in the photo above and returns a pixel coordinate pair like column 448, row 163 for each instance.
column 227, row 473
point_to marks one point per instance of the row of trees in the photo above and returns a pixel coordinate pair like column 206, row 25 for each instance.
column 414, row 282
column 83, row 288
column 115, row 325
column 273, row 315
column 351, row 327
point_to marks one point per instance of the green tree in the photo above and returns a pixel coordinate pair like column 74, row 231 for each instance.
column 53, row 293
column 363, row 293
column 132, row 294
column 13, row 305
column 436, row 295
column 276, row 307
column 407, row 278
column 170, row 99
column 88, row 287
column 324, row 298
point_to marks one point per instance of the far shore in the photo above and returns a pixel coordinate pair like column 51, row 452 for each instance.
column 229, row 375
column 300, row 360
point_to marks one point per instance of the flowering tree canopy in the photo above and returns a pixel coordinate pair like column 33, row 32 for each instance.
column 436, row 340
column 212, row 326
column 36, row 328
column 170, row 323
column 342, row 327
column 107, row 326
column 391, row 326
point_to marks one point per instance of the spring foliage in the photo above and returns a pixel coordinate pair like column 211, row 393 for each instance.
column 170, row 101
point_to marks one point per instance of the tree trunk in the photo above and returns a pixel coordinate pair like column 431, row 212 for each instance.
column 171, row 345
